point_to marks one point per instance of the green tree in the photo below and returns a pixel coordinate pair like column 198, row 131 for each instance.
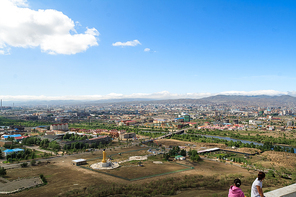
column 195, row 158
column 23, row 165
column 166, row 156
column 183, row 152
column 2, row 171
column 33, row 162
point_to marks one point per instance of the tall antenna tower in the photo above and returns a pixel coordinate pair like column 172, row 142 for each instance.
column 1, row 105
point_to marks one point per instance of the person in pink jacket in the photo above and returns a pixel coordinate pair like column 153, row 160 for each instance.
column 235, row 191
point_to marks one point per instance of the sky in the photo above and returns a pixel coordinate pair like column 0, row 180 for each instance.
column 94, row 49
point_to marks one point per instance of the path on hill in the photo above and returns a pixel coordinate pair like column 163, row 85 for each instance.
column 37, row 148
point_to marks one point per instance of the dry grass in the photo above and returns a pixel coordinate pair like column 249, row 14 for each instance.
column 287, row 160
column 132, row 171
column 60, row 179
column 63, row 177
column 248, row 150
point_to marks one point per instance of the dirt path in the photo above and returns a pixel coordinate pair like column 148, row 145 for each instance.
column 37, row 148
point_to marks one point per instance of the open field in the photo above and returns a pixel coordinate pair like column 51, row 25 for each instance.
column 63, row 177
column 131, row 170
column 287, row 160
column 136, row 151
column 60, row 179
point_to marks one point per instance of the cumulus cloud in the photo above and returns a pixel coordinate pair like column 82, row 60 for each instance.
column 156, row 95
column 49, row 29
column 128, row 43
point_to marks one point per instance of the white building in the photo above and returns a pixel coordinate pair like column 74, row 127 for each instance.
column 61, row 127
column 255, row 122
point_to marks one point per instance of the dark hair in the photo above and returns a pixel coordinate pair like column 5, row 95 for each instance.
column 261, row 175
column 237, row 182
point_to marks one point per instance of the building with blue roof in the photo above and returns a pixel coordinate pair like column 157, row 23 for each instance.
column 10, row 151
column 7, row 136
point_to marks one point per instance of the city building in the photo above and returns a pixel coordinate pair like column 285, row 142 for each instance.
column 10, row 151
column 78, row 162
column 127, row 135
column 61, row 127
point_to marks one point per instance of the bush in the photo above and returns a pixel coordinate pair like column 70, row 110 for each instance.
column 43, row 178
column 195, row 157
column 2, row 171
column 33, row 162
column 25, row 164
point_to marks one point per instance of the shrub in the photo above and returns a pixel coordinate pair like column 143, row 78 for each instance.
column 33, row 162
column 2, row 171
column 43, row 178
column 23, row 165
column 195, row 158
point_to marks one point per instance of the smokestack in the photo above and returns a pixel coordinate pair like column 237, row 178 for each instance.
column 1, row 104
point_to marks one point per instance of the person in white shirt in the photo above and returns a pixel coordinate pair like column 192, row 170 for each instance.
column 256, row 190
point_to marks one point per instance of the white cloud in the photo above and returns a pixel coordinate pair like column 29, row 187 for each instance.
column 4, row 51
column 49, row 29
column 146, row 49
column 128, row 43
column 157, row 95
column 21, row 3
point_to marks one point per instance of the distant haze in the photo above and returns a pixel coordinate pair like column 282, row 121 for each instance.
column 273, row 97
column 158, row 95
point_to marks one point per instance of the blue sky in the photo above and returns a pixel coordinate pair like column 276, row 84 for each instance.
column 195, row 47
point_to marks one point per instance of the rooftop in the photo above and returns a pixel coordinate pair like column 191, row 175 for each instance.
column 16, row 135
column 98, row 138
column 78, row 160
column 13, row 150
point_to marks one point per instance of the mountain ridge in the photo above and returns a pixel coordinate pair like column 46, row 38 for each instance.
column 217, row 99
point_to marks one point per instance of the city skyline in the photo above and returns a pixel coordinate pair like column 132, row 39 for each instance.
column 170, row 49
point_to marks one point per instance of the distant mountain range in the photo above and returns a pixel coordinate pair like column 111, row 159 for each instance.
column 72, row 102
column 262, row 100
